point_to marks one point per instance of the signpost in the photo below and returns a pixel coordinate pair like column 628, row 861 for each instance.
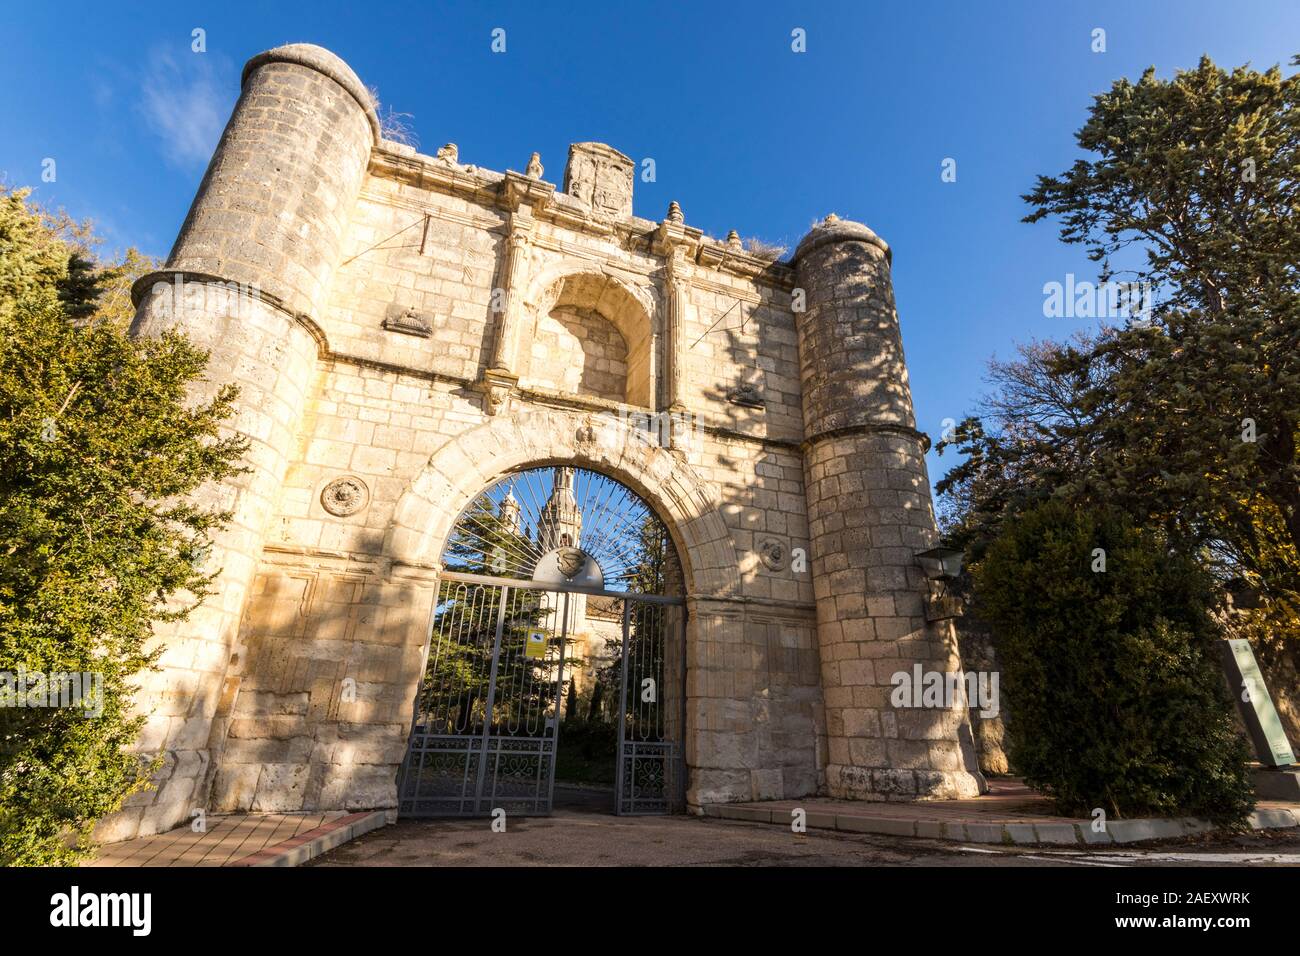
column 1256, row 704
column 535, row 646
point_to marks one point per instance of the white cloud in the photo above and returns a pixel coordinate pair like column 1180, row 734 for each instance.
column 186, row 101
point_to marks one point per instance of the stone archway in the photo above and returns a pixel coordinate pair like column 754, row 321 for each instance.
column 536, row 436
column 539, row 436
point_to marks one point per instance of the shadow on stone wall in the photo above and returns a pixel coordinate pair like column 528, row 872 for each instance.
column 978, row 654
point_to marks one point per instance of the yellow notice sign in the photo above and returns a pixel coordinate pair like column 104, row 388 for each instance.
column 535, row 646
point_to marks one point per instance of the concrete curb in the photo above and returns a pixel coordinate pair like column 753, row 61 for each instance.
column 1020, row 833
column 306, row 846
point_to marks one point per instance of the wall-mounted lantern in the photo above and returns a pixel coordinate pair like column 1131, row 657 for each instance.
column 942, row 565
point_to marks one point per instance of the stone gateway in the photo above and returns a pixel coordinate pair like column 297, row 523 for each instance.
column 411, row 332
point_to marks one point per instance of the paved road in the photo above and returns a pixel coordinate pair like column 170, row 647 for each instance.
column 577, row 836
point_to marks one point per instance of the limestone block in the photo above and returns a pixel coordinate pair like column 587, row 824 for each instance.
column 280, row 788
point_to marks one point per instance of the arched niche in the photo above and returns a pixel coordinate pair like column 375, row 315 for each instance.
column 600, row 331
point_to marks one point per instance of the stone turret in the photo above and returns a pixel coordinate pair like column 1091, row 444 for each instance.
column 247, row 279
column 509, row 511
column 869, row 512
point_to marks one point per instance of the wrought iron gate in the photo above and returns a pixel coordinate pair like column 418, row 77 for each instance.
column 486, row 727
column 652, row 714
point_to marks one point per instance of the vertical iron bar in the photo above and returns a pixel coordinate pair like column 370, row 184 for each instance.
column 622, row 710
column 680, row 801
column 559, row 689
column 491, row 700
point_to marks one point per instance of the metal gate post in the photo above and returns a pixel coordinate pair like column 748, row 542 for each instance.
column 622, row 709
column 681, row 727
column 559, row 689
column 491, row 701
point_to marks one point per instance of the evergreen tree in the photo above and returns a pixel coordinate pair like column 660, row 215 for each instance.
column 100, row 449
column 1111, row 669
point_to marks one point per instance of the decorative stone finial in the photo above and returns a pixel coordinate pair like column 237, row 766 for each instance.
column 733, row 240
column 449, row 154
column 534, row 170
column 675, row 213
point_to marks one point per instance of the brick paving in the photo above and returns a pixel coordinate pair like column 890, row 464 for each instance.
column 229, row 840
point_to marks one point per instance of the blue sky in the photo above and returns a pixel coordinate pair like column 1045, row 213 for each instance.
column 745, row 133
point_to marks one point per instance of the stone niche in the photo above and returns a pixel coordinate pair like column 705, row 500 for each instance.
column 600, row 177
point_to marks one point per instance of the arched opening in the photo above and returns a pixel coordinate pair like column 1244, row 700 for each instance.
column 590, row 336
column 556, row 657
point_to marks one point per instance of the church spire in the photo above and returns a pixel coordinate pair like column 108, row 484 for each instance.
column 508, row 510
column 560, row 523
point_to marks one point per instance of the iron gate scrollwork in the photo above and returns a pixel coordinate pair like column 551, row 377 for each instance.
column 486, row 727
column 652, row 715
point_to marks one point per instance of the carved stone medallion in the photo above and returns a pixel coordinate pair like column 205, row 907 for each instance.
column 571, row 561
column 772, row 553
column 345, row 496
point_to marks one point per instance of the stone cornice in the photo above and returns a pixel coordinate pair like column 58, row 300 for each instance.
column 736, row 604
column 403, row 164
column 868, row 428
column 146, row 282
column 326, row 354
column 518, row 189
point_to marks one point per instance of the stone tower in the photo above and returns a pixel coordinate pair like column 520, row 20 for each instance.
column 560, row 523
column 247, row 274
column 869, row 512
column 508, row 511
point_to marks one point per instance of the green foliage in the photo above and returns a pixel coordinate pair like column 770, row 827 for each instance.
column 1199, row 174
column 1115, row 690
column 654, row 563
column 587, row 752
column 47, row 253
column 100, row 449
column 1197, row 415
column 481, row 543
column 1031, row 439
column 1189, row 422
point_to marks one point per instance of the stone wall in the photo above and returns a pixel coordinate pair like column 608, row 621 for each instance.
column 577, row 352
column 267, row 222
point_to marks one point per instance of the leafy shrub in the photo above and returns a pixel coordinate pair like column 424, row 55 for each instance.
column 1112, row 675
